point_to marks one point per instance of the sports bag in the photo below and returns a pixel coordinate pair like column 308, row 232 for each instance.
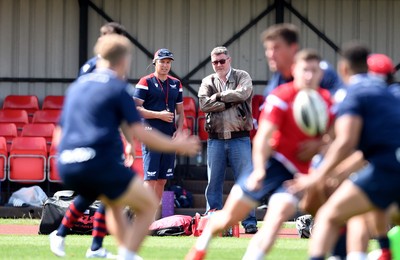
column 199, row 223
column 54, row 210
column 183, row 198
column 176, row 225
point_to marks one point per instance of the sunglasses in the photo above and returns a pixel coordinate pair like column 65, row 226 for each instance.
column 222, row 62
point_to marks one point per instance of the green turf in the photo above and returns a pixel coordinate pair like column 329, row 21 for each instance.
column 163, row 248
column 37, row 247
column 19, row 221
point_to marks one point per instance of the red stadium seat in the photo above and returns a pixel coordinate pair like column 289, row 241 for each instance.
column 29, row 103
column 189, row 107
column 53, row 103
column 9, row 132
column 257, row 102
column 39, row 130
column 201, row 129
column 18, row 117
column 27, row 160
column 3, row 158
column 52, row 166
column 138, row 162
column 46, row 116
column 138, row 148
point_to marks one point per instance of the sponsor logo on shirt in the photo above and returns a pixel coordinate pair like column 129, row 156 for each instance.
column 173, row 86
column 156, row 84
column 151, row 173
column 169, row 170
column 86, row 67
column 77, row 155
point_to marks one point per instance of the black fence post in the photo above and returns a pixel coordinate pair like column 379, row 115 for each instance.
column 279, row 11
column 83, row 31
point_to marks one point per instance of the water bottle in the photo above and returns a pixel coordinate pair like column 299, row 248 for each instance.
column 199, row 158
column 394, row 238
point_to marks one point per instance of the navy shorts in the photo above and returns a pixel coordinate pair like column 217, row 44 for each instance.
column 277, row 174
column 94, row 178
column 381, row 185
column 157, row 165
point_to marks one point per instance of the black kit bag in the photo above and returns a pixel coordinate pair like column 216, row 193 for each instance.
column 54, row 210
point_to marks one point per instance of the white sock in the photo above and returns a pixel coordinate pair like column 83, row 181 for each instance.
column 203, row 241
column 125, row 254
column 253, row 253
column 357, row 256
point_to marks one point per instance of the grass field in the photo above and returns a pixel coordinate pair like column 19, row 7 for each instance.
column 163, row 248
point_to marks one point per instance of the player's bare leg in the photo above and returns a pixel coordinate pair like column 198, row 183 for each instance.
column 236, row 208
column 157, row 186
column 118, row 222
column 280, row 208
column 144, row 203
column 346, row 202
column 378, row 222
column 357, row 237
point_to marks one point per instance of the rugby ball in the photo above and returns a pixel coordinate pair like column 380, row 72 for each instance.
column 310, row 112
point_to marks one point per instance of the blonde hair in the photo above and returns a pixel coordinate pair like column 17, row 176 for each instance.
column 112, row 48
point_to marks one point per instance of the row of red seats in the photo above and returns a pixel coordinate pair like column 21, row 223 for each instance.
column 30, row 103
column 29, row 160
column 195, row 121
column 9, row 132
column 20, row 117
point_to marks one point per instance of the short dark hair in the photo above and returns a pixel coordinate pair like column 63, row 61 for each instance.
column 307, row 55
column 356, row 55
column 115, row 27
column 287, row 31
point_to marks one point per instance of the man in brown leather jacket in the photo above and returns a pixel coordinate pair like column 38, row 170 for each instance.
column 225, row 96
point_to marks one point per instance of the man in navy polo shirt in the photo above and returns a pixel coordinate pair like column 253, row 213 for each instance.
column 91, row 151
column 158, row 98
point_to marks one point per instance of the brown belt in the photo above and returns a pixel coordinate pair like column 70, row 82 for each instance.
column 229, row 135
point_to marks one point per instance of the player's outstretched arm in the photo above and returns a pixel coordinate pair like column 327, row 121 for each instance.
column 347, row 134
column 261, row 153
column 183, row 144
column 56, row 135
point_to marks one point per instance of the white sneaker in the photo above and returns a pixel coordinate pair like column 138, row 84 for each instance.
column 136, row 257
column 100, row 253
column 57, row 244
column 374, row 255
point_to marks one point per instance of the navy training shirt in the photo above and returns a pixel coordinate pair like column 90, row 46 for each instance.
column 96, row 104
column 88, row 67
column 329, row 81
column 369, row 98
column 154, row 96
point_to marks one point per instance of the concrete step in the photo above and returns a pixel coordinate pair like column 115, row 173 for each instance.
column 197, row 172
column 199, row 200
column 260, row 213
column 199, row 186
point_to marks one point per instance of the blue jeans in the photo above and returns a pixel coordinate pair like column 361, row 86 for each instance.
column 238, row 152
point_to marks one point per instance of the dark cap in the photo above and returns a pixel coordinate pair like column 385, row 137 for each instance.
column 163, row 54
